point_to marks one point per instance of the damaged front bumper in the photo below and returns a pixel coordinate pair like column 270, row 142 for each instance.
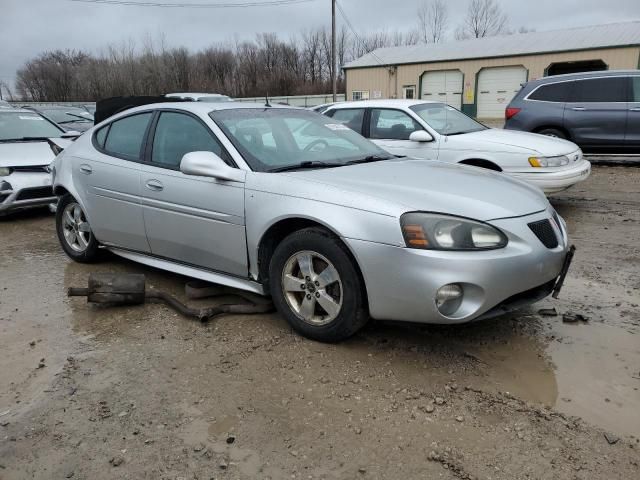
column 26, row 189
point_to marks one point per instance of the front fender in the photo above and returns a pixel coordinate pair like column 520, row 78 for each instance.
column 264, row 209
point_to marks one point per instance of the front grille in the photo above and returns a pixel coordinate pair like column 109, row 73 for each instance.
column 545, row 233
column 34, row 193
column 32, row 168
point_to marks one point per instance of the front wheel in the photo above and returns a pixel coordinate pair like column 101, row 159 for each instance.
column 74, row 232
column 316, row 286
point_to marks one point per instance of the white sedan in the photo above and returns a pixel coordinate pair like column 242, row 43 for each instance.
column 436, row 131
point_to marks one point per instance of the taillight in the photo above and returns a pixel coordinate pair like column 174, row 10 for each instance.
column 510, row 112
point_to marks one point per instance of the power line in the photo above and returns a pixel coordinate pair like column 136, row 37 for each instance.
column 355, row 34
column 245, row 4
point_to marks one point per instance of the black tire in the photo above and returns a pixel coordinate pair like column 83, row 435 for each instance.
column 553, row 132
column 89, row 254
column 352, row 314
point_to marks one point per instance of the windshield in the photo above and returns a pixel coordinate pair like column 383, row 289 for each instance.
column 445, row 119
column 68, row 116
column 21, row 125
column 271, row 139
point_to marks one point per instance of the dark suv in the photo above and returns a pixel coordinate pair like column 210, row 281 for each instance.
column 596, row 110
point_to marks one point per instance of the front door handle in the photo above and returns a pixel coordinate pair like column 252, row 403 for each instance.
column 634, row 109
column 154, row 185
column 578, row 109
column 86, row 169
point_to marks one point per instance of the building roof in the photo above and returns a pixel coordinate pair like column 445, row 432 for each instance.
column 582, row 38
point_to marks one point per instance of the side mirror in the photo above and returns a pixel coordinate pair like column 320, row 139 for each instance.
column 208, row 164
column 421, row 136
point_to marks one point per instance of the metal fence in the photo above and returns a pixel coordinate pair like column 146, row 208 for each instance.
column 293, row 100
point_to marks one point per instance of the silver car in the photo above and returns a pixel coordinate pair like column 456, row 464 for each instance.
column 281, row 201
column 25, row 155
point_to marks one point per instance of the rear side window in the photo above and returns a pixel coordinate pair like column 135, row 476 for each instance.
column 126, row 135
column 605, row 89
column 178, row 134
column 350, row 117
column 553, row 92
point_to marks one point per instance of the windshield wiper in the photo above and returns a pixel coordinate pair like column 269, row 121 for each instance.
column 369, row 159
column 25, row 139
column 305, row 165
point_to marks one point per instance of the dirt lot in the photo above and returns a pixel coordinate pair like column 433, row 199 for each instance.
column 91, row 393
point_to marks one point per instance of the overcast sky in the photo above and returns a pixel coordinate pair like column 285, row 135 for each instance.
column 28, row 27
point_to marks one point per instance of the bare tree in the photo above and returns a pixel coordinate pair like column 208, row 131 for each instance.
column 433, row 19
column 484, row 18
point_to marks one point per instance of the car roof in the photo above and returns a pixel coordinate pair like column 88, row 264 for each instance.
column 195, row 95
column 18, row 110
column 202, row 108
column 580, row 75
column 390, row 103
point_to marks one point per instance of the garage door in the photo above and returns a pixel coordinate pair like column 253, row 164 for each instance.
column 496, row 87
column 444, row 86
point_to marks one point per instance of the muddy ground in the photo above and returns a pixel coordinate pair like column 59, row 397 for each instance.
column 92, row 393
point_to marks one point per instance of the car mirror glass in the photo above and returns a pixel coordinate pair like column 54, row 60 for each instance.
column 208, row 164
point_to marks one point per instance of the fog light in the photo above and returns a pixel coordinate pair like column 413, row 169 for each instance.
column 448, row 298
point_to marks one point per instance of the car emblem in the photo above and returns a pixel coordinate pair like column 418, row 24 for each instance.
column 47, row 169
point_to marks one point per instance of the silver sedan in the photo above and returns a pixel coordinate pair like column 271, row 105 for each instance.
column 285, row 202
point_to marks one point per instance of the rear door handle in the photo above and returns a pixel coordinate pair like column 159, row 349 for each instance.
column 154, row 185
column 578, row 109
column 634, row 109
column 86, row 169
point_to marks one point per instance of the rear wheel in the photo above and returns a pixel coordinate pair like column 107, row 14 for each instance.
column 316, row 287
column 553, row 132
column 74, row 232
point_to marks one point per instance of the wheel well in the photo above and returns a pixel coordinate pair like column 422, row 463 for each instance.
column 60, row 191
column 478, row 162
column 554, row 127
column 277, row 232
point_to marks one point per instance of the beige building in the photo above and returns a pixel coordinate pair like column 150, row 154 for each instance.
column 481, row 76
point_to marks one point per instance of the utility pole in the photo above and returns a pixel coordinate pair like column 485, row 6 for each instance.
column 334, row 76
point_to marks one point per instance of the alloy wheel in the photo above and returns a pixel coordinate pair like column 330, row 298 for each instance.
column 312, row 287
column 77, row 232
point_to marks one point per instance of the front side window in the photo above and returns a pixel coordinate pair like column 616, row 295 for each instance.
column 277, row 138
column 598, row 90
column 391, row 124
column 350, row 117
column 126, row 135
column 445, row 119
column 554, row 92
column 22, row 126
column 178, row 134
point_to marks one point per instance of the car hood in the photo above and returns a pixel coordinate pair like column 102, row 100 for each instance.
column 514, row 141
column 26, row 154
column 432, row 186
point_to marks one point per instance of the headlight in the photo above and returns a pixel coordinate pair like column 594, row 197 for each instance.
column 5, row 171
column 431, row 231
column 541, row 162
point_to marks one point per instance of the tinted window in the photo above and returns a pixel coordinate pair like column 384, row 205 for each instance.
column 101, row 135
column 606, row 89
column 178, row 134
column 392, row 124
column 351, row 117
column 635, row 97
column 125, row 136
column 554, row 92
